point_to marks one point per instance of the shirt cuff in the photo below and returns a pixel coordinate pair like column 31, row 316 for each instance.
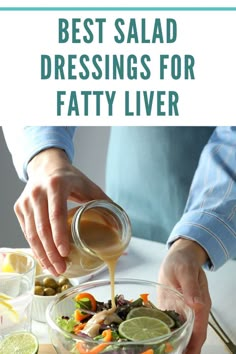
column 41, row 138
column 211, row 232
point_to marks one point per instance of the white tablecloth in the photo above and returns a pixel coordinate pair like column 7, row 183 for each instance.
column 142, row 261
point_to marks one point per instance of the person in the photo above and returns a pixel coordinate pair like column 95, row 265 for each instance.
column 149, row 171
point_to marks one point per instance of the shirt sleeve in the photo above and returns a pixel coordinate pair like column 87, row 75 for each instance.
column 26, row 142
column 210, row 214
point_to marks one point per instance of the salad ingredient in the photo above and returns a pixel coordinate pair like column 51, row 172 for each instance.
column 143, row 328
column 39, row 290
column 168, row 347
column 4, row 296
column 93, row 325
column 7, row 309
column 20, row 342
column 107, row 337
column 49, row 292
column 175, row 316
column 68, row 324
column 84, row 301
column 108, row 327
column 144, row 297
column 50, row 283
column 49, row 286
column 83, row 296
column 77, row 328
column 151, row 312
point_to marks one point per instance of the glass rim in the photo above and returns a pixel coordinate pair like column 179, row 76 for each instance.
column 22, row 253
column 102, row 282
column 102, row 204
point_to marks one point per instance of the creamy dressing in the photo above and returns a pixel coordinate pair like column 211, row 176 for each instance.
column 100, row 241
column 105, row 242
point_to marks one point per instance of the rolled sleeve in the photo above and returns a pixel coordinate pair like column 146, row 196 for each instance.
column 210, row 213
column 26, row 142
column 210, row 231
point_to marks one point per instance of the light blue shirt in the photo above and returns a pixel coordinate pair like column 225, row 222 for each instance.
column 149, row 173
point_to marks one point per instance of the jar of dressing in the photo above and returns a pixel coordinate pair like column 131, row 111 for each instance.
column 99, row 231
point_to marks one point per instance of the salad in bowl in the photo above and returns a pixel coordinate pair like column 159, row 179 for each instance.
column 144, row 318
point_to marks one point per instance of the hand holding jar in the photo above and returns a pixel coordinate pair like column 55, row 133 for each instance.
column 42, row 207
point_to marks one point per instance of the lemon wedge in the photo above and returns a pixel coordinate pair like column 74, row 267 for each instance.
column 13, row 263
column 4, row 297
column 7, row 310
column 7, row 268
column 17, row 263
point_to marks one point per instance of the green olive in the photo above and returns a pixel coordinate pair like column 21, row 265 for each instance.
column 37, row 283
column 65, row 287
column 63, row 281
column 58, row 289
column 49, row 291
column 39, row 290
column 50, row 283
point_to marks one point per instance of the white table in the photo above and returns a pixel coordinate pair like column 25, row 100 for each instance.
column 142, row 260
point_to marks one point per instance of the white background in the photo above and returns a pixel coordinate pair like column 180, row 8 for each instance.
column 208, row 36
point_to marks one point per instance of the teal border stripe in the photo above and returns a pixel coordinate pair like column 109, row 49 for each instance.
column 117, row 8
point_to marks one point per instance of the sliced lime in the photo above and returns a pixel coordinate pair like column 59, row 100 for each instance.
column 143, row 328
column 19, row 342
column 151, row 312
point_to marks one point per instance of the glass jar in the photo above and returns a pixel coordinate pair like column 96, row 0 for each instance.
column 99, row 230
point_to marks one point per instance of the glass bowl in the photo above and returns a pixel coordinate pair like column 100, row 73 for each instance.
column 162, row 297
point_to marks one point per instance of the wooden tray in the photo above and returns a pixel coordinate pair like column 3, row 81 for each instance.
column 46, row 349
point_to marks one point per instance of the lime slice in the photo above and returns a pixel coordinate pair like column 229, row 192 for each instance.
column 143, row 328
column 21, row 342
column 150, row 312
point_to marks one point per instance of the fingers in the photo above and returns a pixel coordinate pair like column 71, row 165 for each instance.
column 57, row 213
column 201, row 305
column 182, row 271
column 32, row 214
column 49, row 255
column 42, row 210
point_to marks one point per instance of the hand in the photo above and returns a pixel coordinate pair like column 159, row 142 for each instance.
column 182, row 270
column 42, row 207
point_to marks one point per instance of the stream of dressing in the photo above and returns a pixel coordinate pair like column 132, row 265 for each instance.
column 105, row 241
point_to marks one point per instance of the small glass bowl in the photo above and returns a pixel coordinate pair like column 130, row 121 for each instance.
column 161, row 296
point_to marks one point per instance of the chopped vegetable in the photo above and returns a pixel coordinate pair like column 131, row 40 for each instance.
column 99, row 322
column 84, row 301
column 79, row 327
column 107, row 337
column 144, row 297
column 149, row 351
column 67, row 324
column 168, row 348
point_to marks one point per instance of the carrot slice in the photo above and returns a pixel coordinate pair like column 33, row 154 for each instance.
column 144, row 297
column 88, row 296
column 79, row 327
column 168, row 348
column 79, row 315
column 107, row 337
column 149, row 351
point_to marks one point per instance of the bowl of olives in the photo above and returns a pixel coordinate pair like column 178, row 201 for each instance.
column 46, row 288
